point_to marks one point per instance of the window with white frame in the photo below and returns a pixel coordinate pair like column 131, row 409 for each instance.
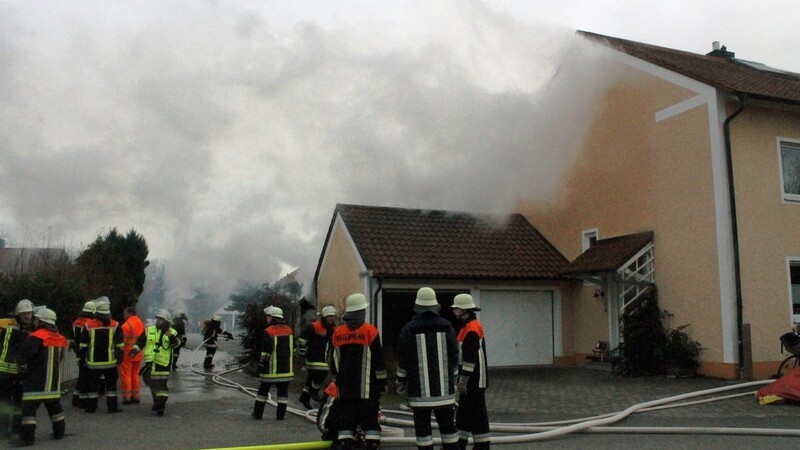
column 794, row 288
column 790, row 169
column 589, row 239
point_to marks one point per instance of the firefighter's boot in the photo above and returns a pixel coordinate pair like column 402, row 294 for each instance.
column 462, row 444
column 304, row 399
column 59, row 428
column 281, row 411
column 258, row 410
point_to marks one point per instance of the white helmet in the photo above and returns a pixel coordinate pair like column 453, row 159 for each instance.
column 217, row 318
column 46, row 315
column 103, row 309
column 355, row 302
column 274, row 311
column 89, row 307
column 24, row 306
column 328, row 311
column 465, row 302
column 164, row 314
column 426, row 297
column 101, row 300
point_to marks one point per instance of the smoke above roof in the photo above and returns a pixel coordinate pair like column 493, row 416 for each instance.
column 226, row 136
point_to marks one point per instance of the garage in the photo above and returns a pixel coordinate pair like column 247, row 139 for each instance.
column 518, row 326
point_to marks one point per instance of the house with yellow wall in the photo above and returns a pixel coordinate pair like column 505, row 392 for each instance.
column 686, row 179
column 702, row 154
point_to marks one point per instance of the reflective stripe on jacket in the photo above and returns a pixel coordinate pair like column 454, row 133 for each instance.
column 277, row 353
column 102, row 344
column 158, row 347
column 472, row 354
column 358, row 365
column 10, row 339
column 314, row 344
column 41, row 353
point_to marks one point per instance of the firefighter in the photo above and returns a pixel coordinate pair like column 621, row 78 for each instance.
column 471, row 417
column 12, row 335
column 101, row 382
column 86, row 314
column 100, row 348
column 275, row 366
column 179, row 324
column 40, row 355
column 212, row 331
column 130, row 365
column 314, row 346
column 427, row 364
column 360, row 374
column 158, row 341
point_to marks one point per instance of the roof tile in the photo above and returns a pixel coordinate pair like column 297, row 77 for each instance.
column 431, row 243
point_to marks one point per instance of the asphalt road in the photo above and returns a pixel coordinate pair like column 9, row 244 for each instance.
column 202, row 414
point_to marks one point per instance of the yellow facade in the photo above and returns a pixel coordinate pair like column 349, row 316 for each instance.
column 636, row 171
column 339, row 272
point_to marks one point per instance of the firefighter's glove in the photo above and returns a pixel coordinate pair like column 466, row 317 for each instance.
column 134, row 351
column 262, row 366
column 462, row 384
column 228, row 336
column 402, row 389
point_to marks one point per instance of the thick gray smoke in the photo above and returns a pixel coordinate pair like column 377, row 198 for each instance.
column 226, row 137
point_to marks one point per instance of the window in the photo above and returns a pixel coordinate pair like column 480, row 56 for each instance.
column 790, row 170
column 794, row 286
column 589, row 239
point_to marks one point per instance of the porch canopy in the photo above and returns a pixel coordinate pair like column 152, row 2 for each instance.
column 622, row 265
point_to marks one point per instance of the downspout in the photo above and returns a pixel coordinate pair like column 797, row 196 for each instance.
column 375, row 302
column 735, row 228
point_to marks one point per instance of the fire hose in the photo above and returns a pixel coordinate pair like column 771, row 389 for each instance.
column 540, row 431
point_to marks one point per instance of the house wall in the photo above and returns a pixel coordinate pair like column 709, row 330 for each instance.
column 339, row 272
column 635, row 174
column 768, row 228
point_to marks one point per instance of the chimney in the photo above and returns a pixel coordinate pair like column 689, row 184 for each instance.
column 720, row 52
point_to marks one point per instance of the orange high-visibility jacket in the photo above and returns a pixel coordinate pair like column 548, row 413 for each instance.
column 131, row 330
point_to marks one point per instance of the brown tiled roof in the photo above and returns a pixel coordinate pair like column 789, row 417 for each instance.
column 608, row 255
column 728, row 74
column 434, row 244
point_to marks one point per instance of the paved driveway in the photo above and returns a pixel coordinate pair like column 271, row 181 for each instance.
column 202, row 414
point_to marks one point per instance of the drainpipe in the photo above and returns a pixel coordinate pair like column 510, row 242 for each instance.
column 375, row 302
column 735, row 228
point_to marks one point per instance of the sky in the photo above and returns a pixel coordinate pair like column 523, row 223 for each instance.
column 226, row 131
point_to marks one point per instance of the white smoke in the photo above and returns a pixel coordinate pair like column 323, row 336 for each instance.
column 226, row 136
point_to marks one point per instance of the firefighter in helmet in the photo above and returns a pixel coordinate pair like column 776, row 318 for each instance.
column 314, row 346
column 275, row 366
column 158, row 341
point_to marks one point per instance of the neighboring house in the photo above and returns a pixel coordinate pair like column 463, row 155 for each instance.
column 687, row 178
column 511, row 270
column 21, row 261
column 690, row 169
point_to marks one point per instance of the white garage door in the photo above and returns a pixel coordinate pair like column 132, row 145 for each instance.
column 518, row 327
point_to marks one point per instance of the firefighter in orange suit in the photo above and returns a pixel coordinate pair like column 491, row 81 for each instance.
column 40, row 355
column 275, row 365
column 360, row 374
column 471, row 416
column 130, row 365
